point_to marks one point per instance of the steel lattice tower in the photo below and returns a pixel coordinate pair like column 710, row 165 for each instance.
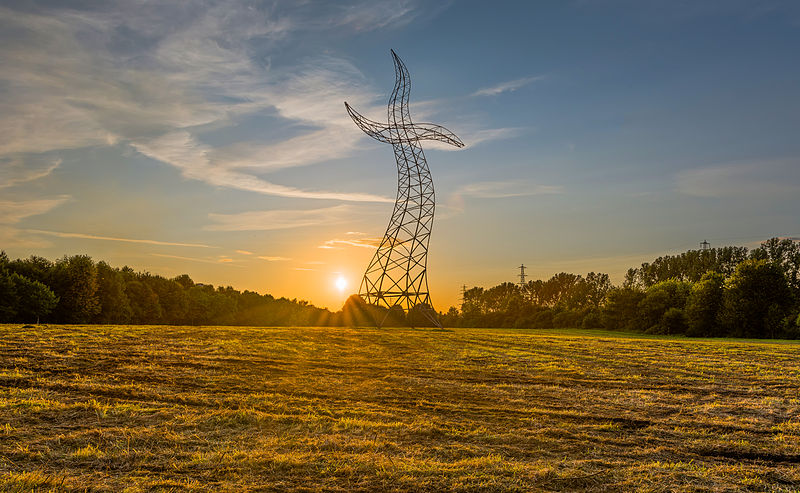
column 397, row 276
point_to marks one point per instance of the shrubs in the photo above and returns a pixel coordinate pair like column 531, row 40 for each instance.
column 673, row 321
column 568, row 319
column 592, row 320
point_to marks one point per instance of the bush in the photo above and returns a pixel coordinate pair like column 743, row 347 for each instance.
column 568, row 319
column 542, row 320
column 592, row 320
column 674, row 321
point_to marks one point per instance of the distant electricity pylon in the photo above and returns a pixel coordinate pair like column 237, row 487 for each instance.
column 397, row 275
column 522, row 275
column 705, row 245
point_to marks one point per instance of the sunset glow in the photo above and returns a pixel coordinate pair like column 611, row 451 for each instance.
column 341, row 284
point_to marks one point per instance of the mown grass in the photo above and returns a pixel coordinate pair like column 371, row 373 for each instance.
column 110, row 408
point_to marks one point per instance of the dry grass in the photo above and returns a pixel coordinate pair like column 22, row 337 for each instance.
column 215, row 409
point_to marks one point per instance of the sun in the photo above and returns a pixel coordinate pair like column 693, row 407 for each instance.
column 341, row 284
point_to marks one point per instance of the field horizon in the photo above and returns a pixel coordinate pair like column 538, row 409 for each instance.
column 175, row 408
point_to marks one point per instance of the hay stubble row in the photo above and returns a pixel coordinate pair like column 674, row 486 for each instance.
column 224, row 408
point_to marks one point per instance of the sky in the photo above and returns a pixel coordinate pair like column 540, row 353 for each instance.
column 210, row 138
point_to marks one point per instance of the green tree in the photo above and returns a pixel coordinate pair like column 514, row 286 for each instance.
column 34, row 268
column 171, row 297
column 561, row 289
column 757, row 298
column 35, row 300
column 473, row 307
column 597, row 287
column 145, row 309
column 687, row 266
column 114, row 305
column 74, row 281
column 786, row 254
column 660, row 298
column 184, row 281
column 621, row 311
column 8, row 293
column 704, row 304
column 503, row 298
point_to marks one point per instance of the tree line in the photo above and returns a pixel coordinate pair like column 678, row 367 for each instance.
column 717, row 292
column 76, row 290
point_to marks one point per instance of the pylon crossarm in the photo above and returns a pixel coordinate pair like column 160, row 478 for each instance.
column 377, row 131
column 414, row 132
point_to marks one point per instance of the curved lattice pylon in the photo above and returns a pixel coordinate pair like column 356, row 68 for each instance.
column 397, row 275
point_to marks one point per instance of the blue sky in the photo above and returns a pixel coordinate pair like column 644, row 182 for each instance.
column 210, row 137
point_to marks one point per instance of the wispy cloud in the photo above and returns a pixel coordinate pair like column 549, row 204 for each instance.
column 273, row 259
column 244, row 252
column 767, row 178
column 84, row 236
column 504, row 189
column 193, row 259
column 12, row 212
column 277, row 219
column 156, row 75
column 14, row 237
column 354, row 242
column 183, row 151
column 371, row 15
column 494, row 190
column 509, row 86
column 18, row 169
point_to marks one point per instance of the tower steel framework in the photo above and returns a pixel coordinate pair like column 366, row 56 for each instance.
column 397, row 275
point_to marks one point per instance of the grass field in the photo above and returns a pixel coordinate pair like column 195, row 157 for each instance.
column 217, row 408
